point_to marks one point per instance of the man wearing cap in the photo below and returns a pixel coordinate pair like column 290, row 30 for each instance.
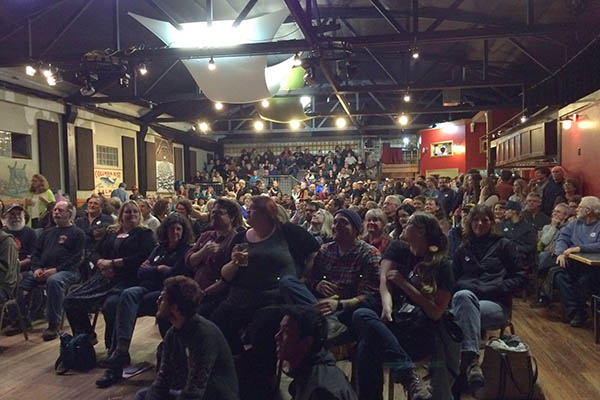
column 344, row 272
column 55, row 262
column 135, row 194
column 15, row 223
column 9, row 266
column 522, row 233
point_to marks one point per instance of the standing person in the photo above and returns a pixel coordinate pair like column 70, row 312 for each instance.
column 548, row 188
column 124, row 247
column 55, row 262
column 196, row 362
column 504, row 187
column 300, row 344
column 415, row 274
column 135, row 194
column 38, row 198
column 120, row 192
column 488, row 271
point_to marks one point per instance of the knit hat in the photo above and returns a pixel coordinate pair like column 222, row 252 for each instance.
column 513, row 205
column 353, row 217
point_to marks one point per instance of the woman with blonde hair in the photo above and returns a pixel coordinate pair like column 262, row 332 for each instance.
column 38, row 198
column 321, row 226
column 124, row 248
column 521, row 190
column 374, row 228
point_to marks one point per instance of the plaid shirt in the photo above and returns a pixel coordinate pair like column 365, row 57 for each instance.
column 356, row 272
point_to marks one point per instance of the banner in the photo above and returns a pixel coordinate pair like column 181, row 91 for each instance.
column 107, row 180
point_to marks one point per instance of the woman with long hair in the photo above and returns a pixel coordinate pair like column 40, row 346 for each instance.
column 488, row 270
column 521, row 190
column 488, row 194
column 321, row 226
column 38, row 198
column 471, row 189
column 401, row 217
column 123, row 249
column 374, row 228
column 167, row 259
column 415, row 279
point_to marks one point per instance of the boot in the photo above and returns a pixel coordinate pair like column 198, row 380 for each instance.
column 470, row 369
column 414, row 386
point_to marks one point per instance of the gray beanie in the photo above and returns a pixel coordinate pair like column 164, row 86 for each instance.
column 353, row 217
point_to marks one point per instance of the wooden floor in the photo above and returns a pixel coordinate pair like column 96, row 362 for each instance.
column 568, row 361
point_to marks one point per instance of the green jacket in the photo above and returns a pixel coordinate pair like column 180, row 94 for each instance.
column 9, row 262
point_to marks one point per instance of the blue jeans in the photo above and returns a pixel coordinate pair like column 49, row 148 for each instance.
column 576, row 285
column 473, row 315
column 56, row 288
column 377, row 345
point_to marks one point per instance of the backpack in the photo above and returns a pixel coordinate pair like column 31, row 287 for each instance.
column 76, row 353
column 510, row 371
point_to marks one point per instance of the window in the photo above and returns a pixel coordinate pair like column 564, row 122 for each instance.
column 108, row 156
column 15, row 145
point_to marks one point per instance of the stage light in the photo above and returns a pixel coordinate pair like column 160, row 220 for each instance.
column 218, row 106
column 265, row 103
column 297, row 60
column 415, row 53
column 31, row 71
column 259, row 125
column 47, row 73
column 294, row 124
column 406, row 98
column 305, row 101
column 203, row 126
column 142, row 69
column 566, row 124
column 211, row 64
column 403, row 120
column 523, row 118
column 341, row 122
column 406, row 141
column 51, row 80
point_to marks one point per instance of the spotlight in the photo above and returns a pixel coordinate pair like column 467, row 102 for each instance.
column 51, row 80
column 203, row 126
column 259, row 125
column 406, row 141
column 124, row 80
column 87, row 89
column 566, row 124
column 29, row 70
column 415, row 55
column 294, row 124
column 523, row 118
column 211, row 64
column 297, row 60
column 403, row 120
column 265, row 103
column 218, row 106
column 142, row 69
column 341, row 122
column 406, row 98
column 305, row 101
column 47, row 73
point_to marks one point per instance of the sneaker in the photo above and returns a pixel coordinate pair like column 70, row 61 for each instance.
column 578, row 320
column 50, row 334
column 475, row 378
column 16, row 328
column 414, row 386
column 110, row 377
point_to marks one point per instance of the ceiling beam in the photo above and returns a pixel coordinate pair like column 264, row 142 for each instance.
column 438, row 21
column 388, row 17
column 303, row 22
column 161, row 76
column 161, row 9
column 427, row 86
column 66, row 27
column 249, row 6
column 528, row 53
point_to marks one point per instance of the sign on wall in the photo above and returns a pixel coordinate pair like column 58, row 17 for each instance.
column 165, row 166
column 106, row 180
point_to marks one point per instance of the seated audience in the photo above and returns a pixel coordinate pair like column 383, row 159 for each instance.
column 533, row 213
column 521, row 189
column 9, row 266
column 300, row 345
column 195, row 362
column 522, row 233
column 375, row 221
column 166, row 260
column 415, row 275
column 93, row 224
column 148, row 220
column 499, row 211
column 488, row 271
column 15, row 224
column 488, row 193
column 389, row 207
column 579, row 281
column 55, row 263
column 418, row 202
column 447, row 196
column 401, row 219
column 504, row 186
column 124, row 247
column 321, row 226
column 184, row 208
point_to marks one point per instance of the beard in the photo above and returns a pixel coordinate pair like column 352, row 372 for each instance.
column 15, row 226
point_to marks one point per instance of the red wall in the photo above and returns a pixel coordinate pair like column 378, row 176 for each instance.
column 442, row 134
column 474, row 157
column 583, row 137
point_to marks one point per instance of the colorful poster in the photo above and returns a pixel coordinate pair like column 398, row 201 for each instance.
column 107, row 180
column 165, row 166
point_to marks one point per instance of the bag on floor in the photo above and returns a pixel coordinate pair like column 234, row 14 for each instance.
column 76, row 353
column 510, row 371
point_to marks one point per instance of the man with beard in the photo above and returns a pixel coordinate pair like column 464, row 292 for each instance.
column 15, row 220
column 196, row 361
column 579, row 281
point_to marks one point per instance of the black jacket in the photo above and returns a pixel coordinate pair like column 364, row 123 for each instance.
column 318, row 378
column 549, row 194
column 524, row 235
column 490, row 267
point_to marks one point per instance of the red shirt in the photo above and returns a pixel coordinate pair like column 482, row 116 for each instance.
column 504, row 190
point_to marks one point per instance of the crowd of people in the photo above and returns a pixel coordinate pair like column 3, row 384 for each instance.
column 254, row 278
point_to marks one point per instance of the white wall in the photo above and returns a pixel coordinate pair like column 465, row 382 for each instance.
column 201, row 158
column 19, row 113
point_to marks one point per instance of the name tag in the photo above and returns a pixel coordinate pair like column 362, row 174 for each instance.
column 505, row 229
column 593, row 234
column 467, row 259
column 98, row 222
column 123, row 235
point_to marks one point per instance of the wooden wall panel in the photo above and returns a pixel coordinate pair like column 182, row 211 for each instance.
column 84, row 142
column 128, row 160
column 49, row 152
column 151, row 166
column 178, row 152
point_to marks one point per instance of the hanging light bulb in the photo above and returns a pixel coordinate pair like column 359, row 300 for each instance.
column 297, row 60
column 265, row 103
column 294, row 124
column 218, row 106
column 403, row 120
column 203, row 127
column 142, row 69
column 47, row 73
column 259, row 125
column 406, row 97
column 211, row 64
column 415, row 52
column 51, row 80
column 341, row 122
column 305, row 101
column 523, row 118
column 30, row 70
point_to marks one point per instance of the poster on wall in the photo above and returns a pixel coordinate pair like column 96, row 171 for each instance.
column 106, row 180
column 165, row 166
column 15, row 179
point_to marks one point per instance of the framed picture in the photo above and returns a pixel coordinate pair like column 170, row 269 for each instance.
column 441, row 149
